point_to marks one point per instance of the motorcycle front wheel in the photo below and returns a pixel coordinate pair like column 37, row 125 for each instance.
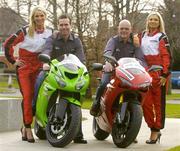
column 61, row 133
column 125, row 133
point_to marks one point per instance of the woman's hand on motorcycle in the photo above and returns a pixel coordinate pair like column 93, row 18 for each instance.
column 108, row 67
column 19, row 63
column 46, row 67
column 162, row 80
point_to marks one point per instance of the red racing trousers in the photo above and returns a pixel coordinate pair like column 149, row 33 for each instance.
column 154, row 103
column 27, row 75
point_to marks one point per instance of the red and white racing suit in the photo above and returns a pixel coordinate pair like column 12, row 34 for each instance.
column 29, row 48
column 155, row 51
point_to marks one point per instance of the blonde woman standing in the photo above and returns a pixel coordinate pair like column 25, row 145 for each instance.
column 155, row 46
column 30, row 38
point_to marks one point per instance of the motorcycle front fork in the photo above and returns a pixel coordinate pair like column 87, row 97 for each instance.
column 121, row 115
column 59, row 108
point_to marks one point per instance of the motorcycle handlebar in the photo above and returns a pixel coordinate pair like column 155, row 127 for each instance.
column 111, row 59
column 155, row 68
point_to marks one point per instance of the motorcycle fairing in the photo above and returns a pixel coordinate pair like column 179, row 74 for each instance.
column 59, row 70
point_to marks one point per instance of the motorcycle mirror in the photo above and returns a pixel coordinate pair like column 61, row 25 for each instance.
column 111, row 59
column 44, row 58
column 97, row 66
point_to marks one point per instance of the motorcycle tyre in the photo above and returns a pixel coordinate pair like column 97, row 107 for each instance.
column 72, row 131
column 98, row 133
column 134, row 126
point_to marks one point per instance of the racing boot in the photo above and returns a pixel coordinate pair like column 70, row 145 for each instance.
column 80, row 141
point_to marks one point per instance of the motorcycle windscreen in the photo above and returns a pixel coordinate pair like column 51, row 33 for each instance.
column 70, row 59
column 129, row 63
column 131, row 71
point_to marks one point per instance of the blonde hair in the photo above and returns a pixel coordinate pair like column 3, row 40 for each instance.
column 161, row 22
column 31, row 20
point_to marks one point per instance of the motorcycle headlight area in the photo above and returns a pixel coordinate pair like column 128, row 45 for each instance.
column 144, row 85
column 59, row 81
column 125, row 82
column 80, row 83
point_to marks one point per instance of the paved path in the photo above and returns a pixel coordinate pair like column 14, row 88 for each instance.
column 10, row 141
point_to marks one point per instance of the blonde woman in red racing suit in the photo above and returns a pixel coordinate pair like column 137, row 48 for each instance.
column 30, row 39
column 154, row 44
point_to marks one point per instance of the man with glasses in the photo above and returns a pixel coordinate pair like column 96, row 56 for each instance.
column 124, row 44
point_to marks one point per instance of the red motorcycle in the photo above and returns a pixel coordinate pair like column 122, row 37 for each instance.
column 120, row 111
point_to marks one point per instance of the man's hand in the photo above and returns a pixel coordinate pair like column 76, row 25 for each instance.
column 108, row 67
column 46, row 66
column 136, row 40
column 162, row 81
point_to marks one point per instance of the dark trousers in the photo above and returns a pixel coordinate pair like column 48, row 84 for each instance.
column 80, row 134
column 106, row 77
column 38, row 83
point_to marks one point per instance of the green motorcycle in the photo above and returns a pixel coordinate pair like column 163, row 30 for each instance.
column 58, row 106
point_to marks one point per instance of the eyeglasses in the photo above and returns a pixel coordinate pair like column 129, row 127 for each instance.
column 124, row 28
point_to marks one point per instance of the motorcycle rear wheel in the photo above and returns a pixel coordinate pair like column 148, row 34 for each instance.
column 125, row 133
column 61, row 133
column 99, row 134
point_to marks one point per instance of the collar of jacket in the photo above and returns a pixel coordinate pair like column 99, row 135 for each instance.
column 153, row 33
column 121, row 40
column 69, row 38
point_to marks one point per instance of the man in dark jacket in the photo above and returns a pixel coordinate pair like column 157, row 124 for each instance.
column 63, row 42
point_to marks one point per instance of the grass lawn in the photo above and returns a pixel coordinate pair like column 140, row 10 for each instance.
column 86, row 103
column 177, row 148
column 173, row 110
column 173, row 96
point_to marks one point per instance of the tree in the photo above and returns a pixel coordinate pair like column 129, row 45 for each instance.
column 171, row 15
column 95, row 21
column 4, row 3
